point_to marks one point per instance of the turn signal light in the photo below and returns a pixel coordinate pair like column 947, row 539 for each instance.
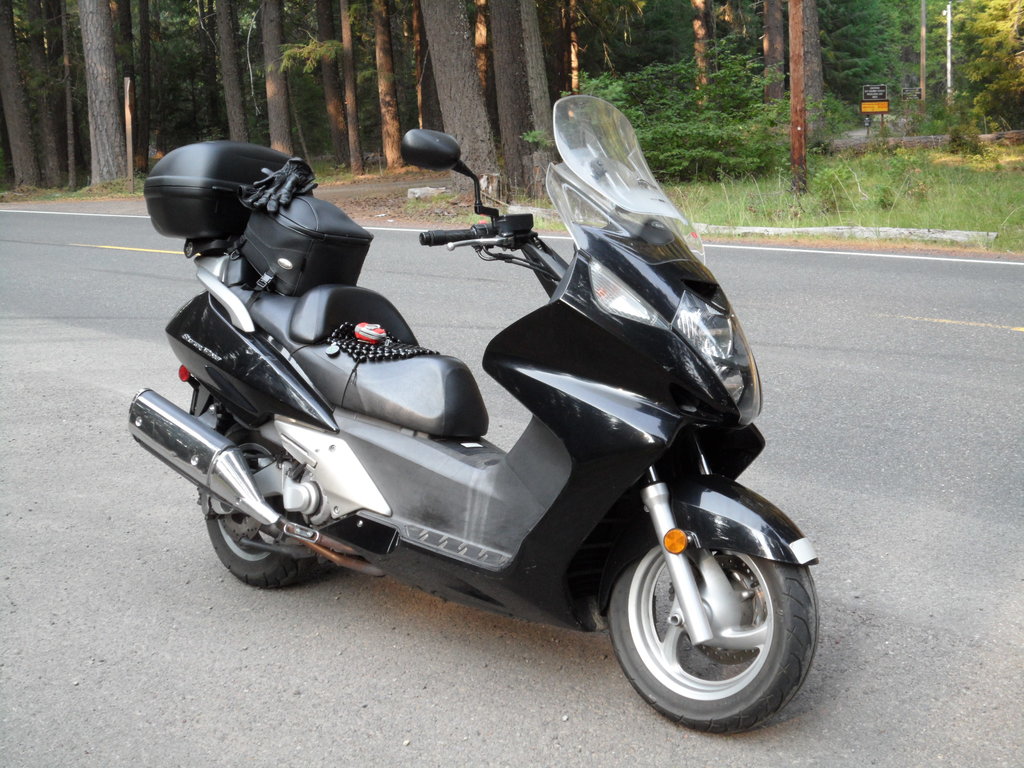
column 675, row 541
column 183, row 374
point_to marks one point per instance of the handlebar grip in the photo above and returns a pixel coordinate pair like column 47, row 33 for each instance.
column 445, row 236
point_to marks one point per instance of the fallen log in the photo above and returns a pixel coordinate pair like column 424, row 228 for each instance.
column 860, row 145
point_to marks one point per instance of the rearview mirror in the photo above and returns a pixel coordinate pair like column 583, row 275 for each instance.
column 432, row 150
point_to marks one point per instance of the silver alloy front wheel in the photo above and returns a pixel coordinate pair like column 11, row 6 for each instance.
column 764, row 618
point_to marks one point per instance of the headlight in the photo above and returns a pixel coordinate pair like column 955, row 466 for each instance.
column 718, row 337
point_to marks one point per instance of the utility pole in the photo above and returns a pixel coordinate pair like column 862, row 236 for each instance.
column 924, row 36
column 797, row 106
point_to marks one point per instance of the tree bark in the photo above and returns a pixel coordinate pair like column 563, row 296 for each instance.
column 124, row 53
column 230, row 73
column 12, row 93
column 331, row 81
column 106, row 135
column 47, row 96
column 512, row 86
column 144, row 88
column 521, row 107
column 458, row 86
column 390, row 130
column 536, row 70
column 355, row 152
column 426, row 92
column 69, row 101
column 484, row 64
column 573, row 46
column 774, row 49
column 701, row 36
column 814, row 82
column 277, row 86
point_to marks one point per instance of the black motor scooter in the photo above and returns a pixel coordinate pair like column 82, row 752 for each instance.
column 320, row 430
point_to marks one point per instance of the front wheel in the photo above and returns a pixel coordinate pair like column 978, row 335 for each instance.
column 765, row 636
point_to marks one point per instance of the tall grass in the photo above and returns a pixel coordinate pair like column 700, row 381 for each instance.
column 922, row 189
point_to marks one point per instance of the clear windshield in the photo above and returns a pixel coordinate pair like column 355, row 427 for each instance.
column 604, row 180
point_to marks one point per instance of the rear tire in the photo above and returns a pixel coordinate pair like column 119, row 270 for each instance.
column 709, row 688
column 229, row 530
column 267, row 570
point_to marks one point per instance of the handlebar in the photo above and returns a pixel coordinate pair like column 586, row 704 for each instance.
column 445, row 236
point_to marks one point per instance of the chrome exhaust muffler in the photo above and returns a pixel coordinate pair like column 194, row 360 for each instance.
column 198, row 453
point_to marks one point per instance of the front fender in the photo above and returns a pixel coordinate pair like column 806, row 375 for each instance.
column 722, row 514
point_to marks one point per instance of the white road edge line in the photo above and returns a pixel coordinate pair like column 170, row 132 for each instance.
column 78, row 213
column 870, row 254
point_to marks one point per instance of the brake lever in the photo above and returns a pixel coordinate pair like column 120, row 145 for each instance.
column 483, row 242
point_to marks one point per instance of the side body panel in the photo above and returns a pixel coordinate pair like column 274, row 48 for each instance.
column 242, row 370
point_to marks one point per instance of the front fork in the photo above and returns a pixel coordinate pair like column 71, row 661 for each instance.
column 657, row 501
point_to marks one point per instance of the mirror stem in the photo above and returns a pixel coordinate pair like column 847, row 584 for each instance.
column 478, row 205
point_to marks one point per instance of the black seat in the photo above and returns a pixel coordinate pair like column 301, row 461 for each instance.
column 435, row 394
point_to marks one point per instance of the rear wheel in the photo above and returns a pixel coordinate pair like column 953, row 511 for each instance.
column 236, row 536
column 765, row 635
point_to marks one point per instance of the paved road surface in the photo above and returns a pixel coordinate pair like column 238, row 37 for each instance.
column 894, row 415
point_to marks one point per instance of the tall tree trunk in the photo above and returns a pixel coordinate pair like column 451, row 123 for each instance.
column 69, row 100
column 144, row 89
column 536, row 70
column 814, row 82
column 513, row 92
column 277, row 86
column 348, row 68
column 12, row 93
column 458, row 86
column 106, row 135
column 46, row 94
column 426, row 92
column 124, row 53
column 774, row 49
column 230, row 74
column 522, row 99
column 208, row 45
column 331, row 81
column 390, row 130
column 482, row 50
column 701, row 36
column 572, row 45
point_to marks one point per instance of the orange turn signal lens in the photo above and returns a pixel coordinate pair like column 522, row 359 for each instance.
column 675, row 541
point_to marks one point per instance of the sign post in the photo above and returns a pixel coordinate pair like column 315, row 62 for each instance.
column 874, row 100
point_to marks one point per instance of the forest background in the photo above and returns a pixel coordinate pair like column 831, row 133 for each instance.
column 704, row 81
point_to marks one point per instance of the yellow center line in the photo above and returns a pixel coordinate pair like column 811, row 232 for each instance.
column 960, row 322
column 122, row 248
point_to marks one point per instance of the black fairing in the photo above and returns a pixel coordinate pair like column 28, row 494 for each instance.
column 245, row 373
column 658, row 273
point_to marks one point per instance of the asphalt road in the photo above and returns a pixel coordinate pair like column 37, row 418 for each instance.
column 894, row 414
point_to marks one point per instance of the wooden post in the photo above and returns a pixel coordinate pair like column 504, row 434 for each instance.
column 797, row 105
column 128, row 107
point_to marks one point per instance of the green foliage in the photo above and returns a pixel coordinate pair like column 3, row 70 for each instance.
column 539, row 139
column 992, row 32
column 836, row 188
column 309, row 55
column 722, row 129
column 860, row 45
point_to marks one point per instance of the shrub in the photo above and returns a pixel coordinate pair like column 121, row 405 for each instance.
column 722, row 129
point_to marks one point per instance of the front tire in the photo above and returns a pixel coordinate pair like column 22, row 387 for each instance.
column 714, row 688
